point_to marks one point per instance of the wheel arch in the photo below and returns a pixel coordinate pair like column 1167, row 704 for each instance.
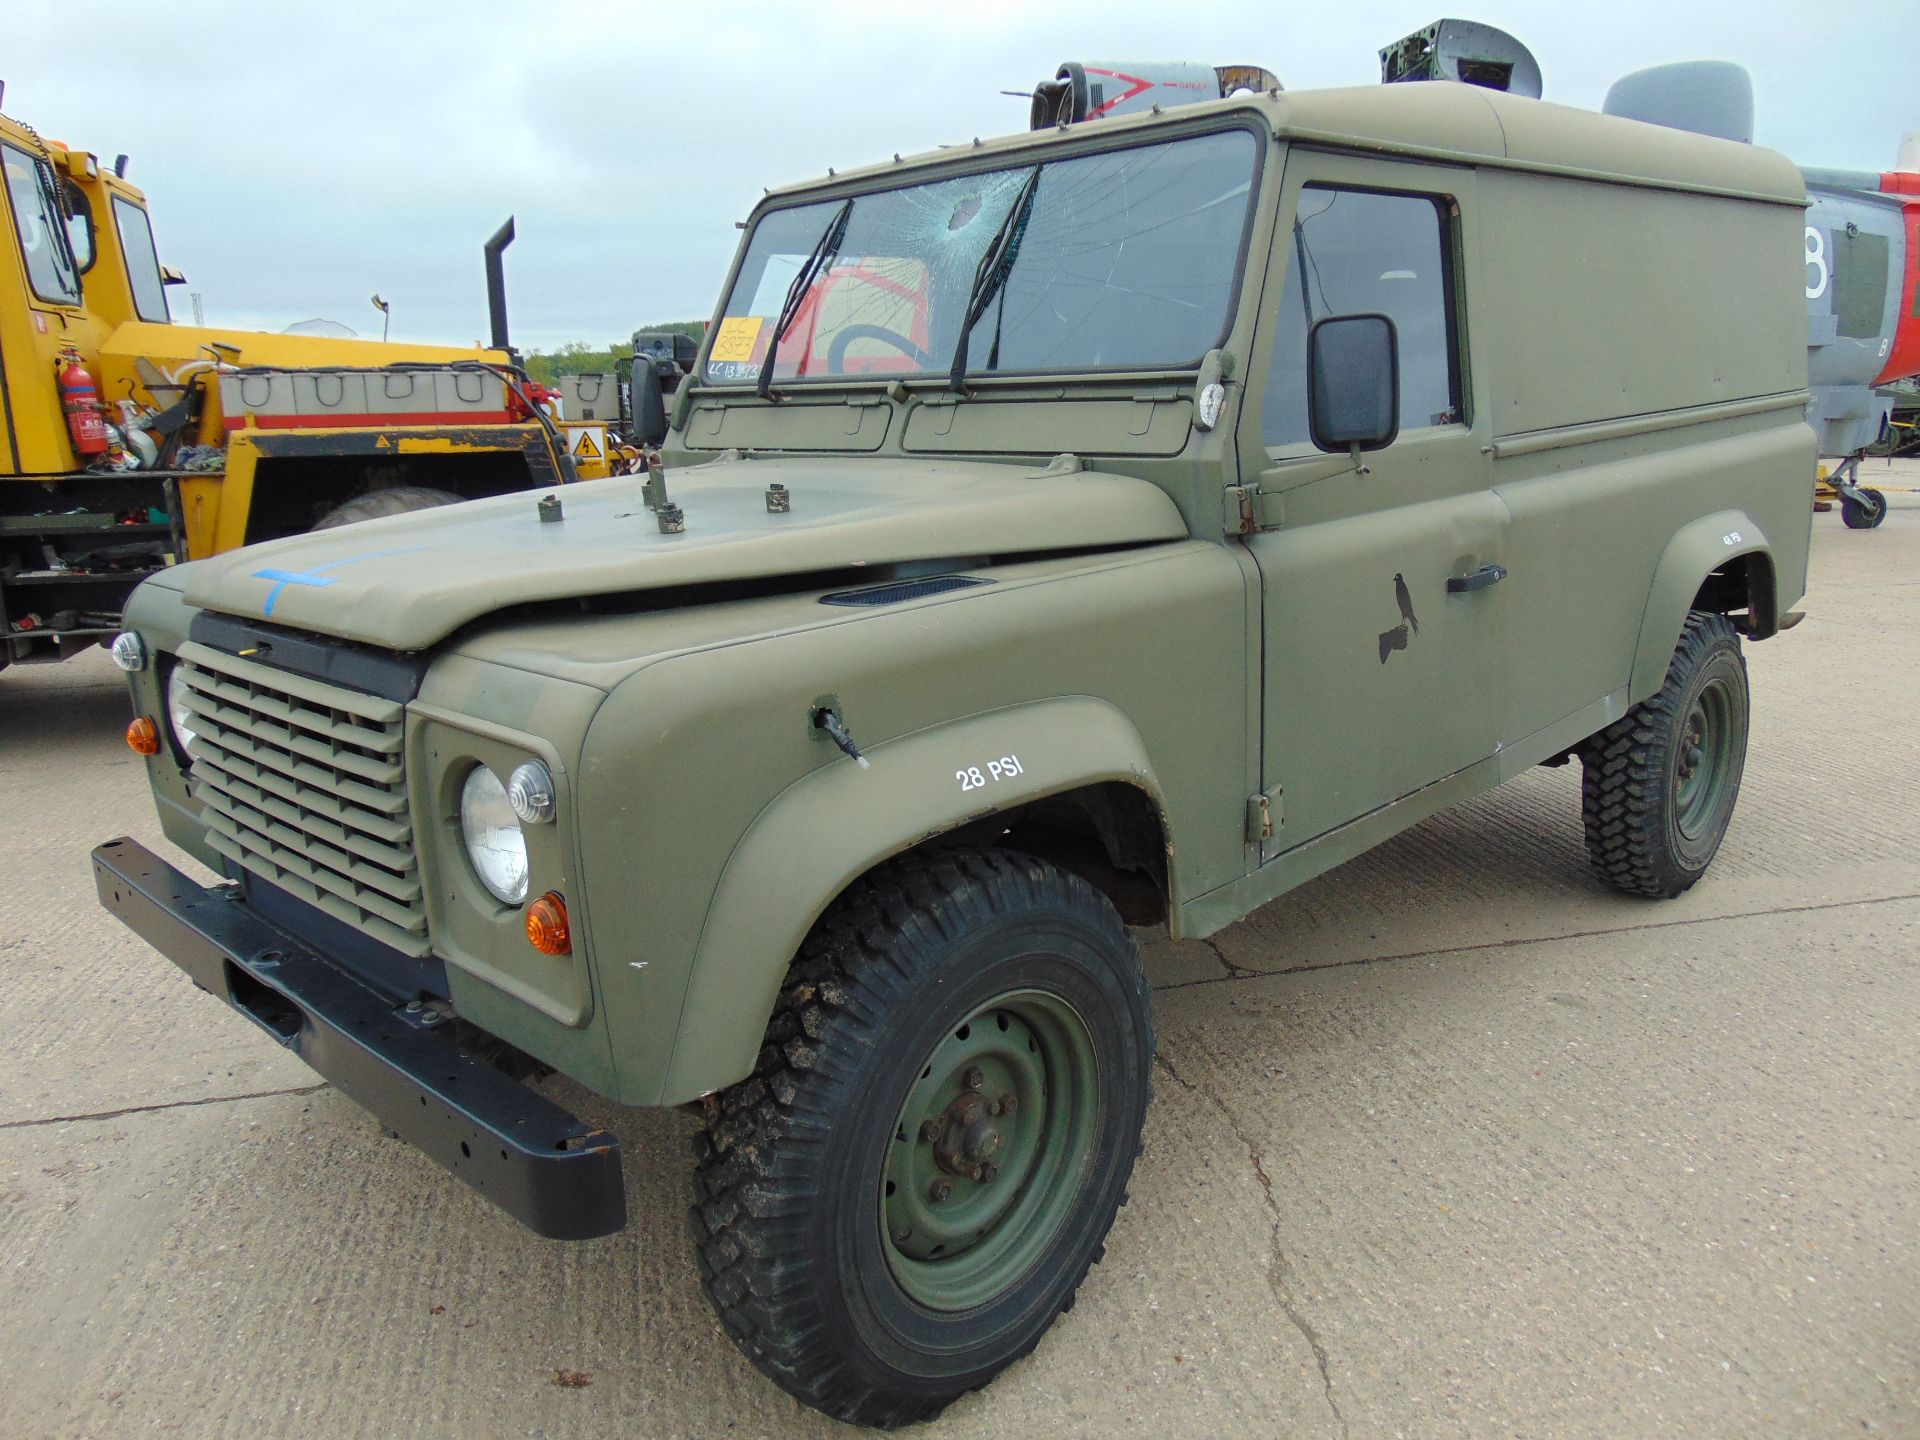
column 1721, row 563
column 1085, row 797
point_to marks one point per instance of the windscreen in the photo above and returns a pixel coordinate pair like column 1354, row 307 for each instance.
column 143, row 262
column 42, row 229
column 1125, row 259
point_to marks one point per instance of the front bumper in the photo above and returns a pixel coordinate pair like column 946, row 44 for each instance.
column 545, row 1167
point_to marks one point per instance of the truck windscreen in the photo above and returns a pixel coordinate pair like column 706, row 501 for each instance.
column 1122, row 259
column 41, row 228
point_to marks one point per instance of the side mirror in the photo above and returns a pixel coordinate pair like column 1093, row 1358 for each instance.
column 1353, row 382
column 649, row 405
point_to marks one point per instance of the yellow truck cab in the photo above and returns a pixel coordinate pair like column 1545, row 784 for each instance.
column 188, row 441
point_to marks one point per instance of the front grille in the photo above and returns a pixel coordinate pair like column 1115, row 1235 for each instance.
column 304, row 784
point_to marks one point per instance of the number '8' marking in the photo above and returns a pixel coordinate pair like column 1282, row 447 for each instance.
column 1817, row 260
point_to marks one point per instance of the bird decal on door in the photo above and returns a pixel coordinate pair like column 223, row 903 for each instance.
column 1397, row 637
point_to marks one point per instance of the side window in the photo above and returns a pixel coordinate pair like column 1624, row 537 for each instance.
column 1355, row 252
column 143, row 263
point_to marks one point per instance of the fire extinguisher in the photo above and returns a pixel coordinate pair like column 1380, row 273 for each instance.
column 80, row 398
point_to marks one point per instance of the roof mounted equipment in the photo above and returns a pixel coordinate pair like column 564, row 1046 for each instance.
column 1708, row 97
column 1093, row 91
column 1463, row 50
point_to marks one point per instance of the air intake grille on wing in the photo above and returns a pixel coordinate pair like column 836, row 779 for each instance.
column 898, row 590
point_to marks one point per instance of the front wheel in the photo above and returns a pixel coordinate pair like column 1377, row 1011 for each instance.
column 377, row 504
column 939, row 1133
column 1867, row 513
column 1658, row 785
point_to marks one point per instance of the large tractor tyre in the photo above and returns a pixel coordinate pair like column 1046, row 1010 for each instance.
column 1867, row 516
column 940, row 1130
column 397, row 500
column 1658, row 785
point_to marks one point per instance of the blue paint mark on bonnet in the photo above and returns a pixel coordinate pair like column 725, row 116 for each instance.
column 314, row 577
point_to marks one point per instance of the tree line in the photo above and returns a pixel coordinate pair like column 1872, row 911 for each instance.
column 579, row 357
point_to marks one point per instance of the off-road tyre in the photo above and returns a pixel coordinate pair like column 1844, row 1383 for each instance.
column 793, row 1232
column 1653, row 820
column 1867, row 516
column 396, row 500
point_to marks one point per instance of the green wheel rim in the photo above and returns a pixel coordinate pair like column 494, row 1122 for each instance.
column 1703, row 761
column 974, row 1189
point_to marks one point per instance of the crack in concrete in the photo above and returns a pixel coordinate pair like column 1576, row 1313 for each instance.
column 1234, row 972
column 1240, row 972
column 1279, row 1268
column 164, row 1105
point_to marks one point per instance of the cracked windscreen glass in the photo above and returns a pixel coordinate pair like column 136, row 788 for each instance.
column 1124, row 260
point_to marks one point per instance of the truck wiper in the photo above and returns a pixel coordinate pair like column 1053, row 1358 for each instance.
column 58, row 243
column 991, row 276
column 821, row 257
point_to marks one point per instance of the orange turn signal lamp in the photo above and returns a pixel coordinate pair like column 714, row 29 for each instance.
column 143, row 736
column 547, row 925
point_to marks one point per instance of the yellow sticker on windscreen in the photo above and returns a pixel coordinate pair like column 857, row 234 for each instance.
column 736, row 338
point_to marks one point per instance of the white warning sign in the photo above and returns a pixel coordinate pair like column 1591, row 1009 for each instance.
column 589, row 442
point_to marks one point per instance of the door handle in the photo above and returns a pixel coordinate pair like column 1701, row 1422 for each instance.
column 1479, row 580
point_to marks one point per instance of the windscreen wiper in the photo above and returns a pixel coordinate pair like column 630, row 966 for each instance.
column 821, row 257
column 992, row 273
column 58, row 243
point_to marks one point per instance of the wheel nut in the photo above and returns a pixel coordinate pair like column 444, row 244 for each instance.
column 940, row 1189
column 930, row 1130
column 1007, row 1103
column 974, row 1078
column 989, row 1172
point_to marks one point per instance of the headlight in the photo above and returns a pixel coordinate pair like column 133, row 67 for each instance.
column 183, row 719
column 494, row 843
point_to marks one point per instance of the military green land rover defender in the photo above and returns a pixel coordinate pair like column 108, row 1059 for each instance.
column 1118, row 524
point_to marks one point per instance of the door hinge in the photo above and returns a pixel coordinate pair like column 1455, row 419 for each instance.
column 1240, row 509
column 1265, row 815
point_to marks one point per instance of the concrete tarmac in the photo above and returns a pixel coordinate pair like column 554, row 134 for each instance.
column 1452, row 1141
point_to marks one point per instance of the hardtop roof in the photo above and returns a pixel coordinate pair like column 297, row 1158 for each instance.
column 1435, row 120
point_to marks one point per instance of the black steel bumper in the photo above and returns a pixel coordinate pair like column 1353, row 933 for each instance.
column 547, row 1168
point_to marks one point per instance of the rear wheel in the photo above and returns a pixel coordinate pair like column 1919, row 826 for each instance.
column 940, row 1131
column 1659, row 785
column 395, row 500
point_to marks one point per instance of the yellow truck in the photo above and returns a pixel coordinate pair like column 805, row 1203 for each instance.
column 128, row 442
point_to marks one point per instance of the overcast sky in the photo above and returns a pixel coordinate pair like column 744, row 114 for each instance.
column 298, row 157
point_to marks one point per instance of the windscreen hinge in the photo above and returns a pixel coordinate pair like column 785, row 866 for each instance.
column 1246, row 509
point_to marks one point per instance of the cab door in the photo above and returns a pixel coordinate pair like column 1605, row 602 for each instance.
column 1381, row 602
